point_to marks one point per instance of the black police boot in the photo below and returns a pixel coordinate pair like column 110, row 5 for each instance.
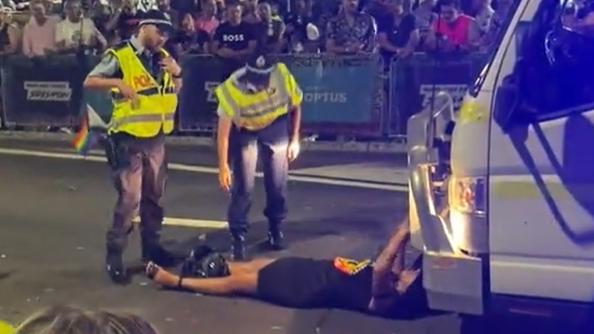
column 238, row 250
column 115, row 266
column 153, row 251
column 276, row 238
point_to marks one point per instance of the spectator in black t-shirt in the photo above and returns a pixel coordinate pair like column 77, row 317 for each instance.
column 270, row 31
column 189, row 40
column 398, row 35
column 234, row 40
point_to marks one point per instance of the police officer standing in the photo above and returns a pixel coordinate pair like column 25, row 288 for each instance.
column 255, row 105
column 144, row 81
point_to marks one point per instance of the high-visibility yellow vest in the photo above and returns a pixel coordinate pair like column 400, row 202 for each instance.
column 157, row 101
column 256, row 110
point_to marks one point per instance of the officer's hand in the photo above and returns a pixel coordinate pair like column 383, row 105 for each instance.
column 128, row 93
column 225, row 178
column 293, row 150
column 170, row 65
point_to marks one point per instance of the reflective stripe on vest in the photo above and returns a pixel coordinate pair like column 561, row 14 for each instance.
column 156, row 105
column 143, row 119
column 145, row 92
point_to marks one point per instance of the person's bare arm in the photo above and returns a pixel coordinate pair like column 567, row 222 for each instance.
column 112, row 24
column 474, row 37
column 295, row 122
column 13, row 39
column 385, row 44
column 222, row 51
column 390, row 261
column 413, row 43
column 249, row 50
column 223, row 132
column 279, row 44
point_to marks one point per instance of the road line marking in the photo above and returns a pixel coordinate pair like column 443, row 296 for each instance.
column 196, row 223
column 212, row 170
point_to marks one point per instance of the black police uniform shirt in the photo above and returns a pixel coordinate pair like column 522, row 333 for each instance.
column 234, row 37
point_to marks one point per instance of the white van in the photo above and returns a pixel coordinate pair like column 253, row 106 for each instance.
column 503, row 206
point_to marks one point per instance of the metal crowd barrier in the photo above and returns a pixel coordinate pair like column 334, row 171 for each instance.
column 415, row 81
column 343, row 95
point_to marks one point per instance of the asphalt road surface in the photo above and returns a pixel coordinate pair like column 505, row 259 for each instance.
column 54, row 211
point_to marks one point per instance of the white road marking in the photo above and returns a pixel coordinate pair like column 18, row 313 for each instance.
column 196, row 223
column 211, row 170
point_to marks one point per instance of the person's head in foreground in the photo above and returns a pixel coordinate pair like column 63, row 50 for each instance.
column 73, row 320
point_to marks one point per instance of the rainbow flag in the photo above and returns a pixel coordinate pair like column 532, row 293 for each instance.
column 91, row 128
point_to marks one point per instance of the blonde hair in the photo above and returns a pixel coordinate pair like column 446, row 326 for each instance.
column 73, row 320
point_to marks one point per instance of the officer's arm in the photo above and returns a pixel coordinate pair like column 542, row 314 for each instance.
column 103, row 76
column 223, row 131
column 295, row 122
column 296, row 99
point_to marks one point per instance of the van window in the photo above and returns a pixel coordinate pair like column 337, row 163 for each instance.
column 560, row 67
column 492, row 37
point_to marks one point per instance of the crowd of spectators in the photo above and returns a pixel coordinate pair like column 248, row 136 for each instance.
column 233, row 28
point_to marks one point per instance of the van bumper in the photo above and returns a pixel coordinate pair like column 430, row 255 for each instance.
column 453, row 281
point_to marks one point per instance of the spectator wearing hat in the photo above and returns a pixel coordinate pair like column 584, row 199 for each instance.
column 144, row 81
column 255, row 105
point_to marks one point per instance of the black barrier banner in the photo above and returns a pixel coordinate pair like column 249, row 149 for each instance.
column 43, row 92
column 415, row 81
column 197, row 103
column 340, row 93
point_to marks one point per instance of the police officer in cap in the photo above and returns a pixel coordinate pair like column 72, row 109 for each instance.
column 259, row 114
column 143, row 81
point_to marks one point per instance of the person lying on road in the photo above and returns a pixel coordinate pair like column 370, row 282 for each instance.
column 383, row 287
